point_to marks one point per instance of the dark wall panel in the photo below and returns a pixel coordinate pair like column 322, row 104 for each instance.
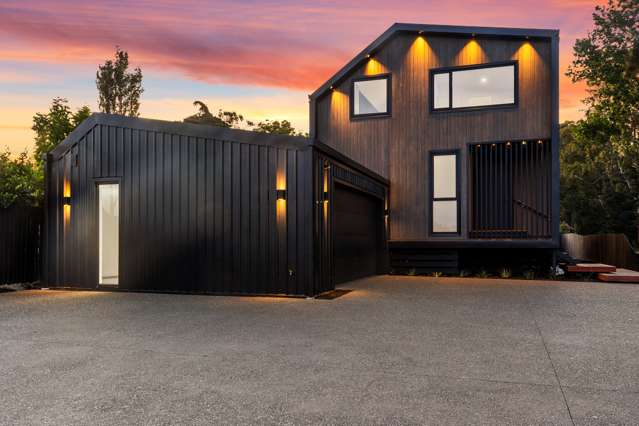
column 397, row 147
column 196, row 214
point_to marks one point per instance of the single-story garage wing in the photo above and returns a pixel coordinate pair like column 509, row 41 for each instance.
column 147, row 205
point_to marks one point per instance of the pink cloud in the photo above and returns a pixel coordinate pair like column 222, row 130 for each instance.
column 287, row 44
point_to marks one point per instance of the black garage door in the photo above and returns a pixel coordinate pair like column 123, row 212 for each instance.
column 358, row 222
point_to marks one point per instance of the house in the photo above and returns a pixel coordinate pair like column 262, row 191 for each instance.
column 434, row 147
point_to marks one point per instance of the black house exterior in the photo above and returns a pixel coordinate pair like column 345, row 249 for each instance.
column 147, row 205
column 434, row 143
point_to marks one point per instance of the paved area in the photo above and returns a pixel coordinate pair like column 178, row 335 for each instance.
column 396, row 350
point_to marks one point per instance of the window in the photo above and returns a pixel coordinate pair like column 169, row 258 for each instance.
column 108, row 233
column 445, row 193
column 370, row 96
column 474, row 86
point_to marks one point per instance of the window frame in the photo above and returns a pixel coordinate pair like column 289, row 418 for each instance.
column 431, row 195
column 389, row 99
column 112, row 180
column 451, row 70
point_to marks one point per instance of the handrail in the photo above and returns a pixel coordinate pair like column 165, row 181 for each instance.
column 532, row 209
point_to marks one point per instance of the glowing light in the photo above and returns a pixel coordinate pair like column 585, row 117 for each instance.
column 471, row 53
column 373, row 67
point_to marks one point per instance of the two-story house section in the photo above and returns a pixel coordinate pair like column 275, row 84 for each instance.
column 463, row 123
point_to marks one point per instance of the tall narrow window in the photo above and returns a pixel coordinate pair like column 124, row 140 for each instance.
column 109, row 233
column 370, row 96
column 444, row 193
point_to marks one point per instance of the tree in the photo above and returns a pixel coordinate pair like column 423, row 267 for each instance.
column 119, row 91
column 283, row 127
column 53, row 127
column 226, row 119
column 21, row 181
column 600, row 153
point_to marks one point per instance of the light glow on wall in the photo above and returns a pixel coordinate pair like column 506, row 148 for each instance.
column 471, row 53
column 373, row 66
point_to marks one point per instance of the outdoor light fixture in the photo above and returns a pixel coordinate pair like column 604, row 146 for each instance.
column 332, row 88
column 368, row 55
column 325, row 196
column 420, row 32
column 281, row 194
column 66, row 200
column 540, row 142
column 523, row 142
column 507, row 143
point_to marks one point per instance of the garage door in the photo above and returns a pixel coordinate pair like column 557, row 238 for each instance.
column 357, row 221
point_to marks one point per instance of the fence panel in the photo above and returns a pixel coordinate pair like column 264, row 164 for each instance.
column 20, row 233
column 612, row 249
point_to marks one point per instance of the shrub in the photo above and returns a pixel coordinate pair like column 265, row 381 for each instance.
column 505, row 273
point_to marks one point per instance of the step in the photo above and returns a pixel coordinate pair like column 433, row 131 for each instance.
column 620, row 276
column 591, row 267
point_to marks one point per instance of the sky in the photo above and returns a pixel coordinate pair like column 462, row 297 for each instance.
column 260, row 58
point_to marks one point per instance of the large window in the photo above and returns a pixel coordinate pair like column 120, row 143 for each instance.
column 370, row 96
column 475, row 86
column 444, row 192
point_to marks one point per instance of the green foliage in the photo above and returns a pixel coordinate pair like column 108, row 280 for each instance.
column 412, row 272
column 529, row 274
column 438, row 274
column 119, row 90
column 600, row 154
column 228, row 119
column 232, row 119
column 53, row 127
column 278, row 127
column 505, row 273
column 21, row 180
column 483, row 273
column 464, row 273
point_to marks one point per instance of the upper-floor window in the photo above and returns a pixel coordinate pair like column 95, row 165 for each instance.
column 370, row 96
column 475, row 86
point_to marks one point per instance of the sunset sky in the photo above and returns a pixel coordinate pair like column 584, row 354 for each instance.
column 260, row 58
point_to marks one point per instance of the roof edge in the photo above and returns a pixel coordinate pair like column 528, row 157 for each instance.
column 177, row 127
column 426, row 29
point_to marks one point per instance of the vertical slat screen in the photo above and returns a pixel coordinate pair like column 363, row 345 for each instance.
column 510, row 190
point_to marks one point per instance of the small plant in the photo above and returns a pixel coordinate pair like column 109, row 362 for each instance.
column 505, row 273
column 412, row 272
column 529, row 274
column 483, row 273
column 437, row 274
column 464, row 273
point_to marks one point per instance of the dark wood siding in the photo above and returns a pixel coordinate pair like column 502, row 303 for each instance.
column 197, row 214
column 397, row 147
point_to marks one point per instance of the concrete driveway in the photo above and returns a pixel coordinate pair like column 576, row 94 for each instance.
column 396, row 350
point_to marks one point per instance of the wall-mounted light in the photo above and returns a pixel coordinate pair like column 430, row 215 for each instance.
column 420, row 32
column 523, row 142
column 280, row 194
column 368, row 55
column 540, row 142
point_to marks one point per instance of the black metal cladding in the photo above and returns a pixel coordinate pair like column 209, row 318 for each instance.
column 198, row 213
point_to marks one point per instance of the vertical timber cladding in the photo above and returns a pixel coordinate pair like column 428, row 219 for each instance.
column 198, row 208
column 397, row 147
column 333, row 170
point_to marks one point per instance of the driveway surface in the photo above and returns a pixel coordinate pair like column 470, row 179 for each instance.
column 396, row 350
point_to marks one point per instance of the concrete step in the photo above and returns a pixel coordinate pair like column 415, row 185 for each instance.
column 620, row 276
column 591, row 268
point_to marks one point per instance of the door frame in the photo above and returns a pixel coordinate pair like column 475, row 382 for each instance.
column 107, row 181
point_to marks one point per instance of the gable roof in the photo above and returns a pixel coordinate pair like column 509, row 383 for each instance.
column 428, row 29
column 176, row 127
